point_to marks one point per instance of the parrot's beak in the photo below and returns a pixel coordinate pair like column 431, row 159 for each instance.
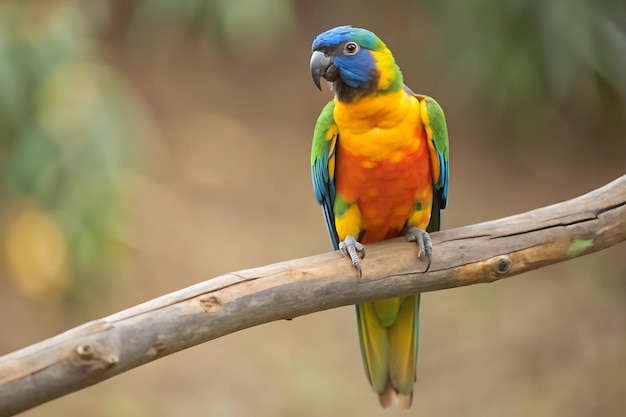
column 319, row 64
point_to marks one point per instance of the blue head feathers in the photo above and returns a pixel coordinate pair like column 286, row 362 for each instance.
column 334, row 37
column 355, row 69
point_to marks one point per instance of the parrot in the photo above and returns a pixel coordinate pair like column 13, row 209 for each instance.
column 379, row 165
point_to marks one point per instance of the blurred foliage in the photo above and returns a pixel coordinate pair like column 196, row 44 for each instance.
column 255, row 22
column 527, row 55
column 67, row 137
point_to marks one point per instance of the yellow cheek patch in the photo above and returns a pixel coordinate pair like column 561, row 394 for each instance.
column 384, row 61
column 349, row 223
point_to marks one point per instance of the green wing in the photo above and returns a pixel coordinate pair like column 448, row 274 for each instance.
column 323, row 166
column 435, row 124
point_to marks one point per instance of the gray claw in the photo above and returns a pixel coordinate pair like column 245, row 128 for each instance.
column 353, row 249
column 424, row 245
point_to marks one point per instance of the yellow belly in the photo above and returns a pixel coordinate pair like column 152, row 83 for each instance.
column 381, row 127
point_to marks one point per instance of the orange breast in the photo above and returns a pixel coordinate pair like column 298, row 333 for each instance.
column 386, row 191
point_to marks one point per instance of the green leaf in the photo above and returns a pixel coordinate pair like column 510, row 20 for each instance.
column 577, row 247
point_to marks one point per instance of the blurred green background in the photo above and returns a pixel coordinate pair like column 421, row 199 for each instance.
column 148, row 145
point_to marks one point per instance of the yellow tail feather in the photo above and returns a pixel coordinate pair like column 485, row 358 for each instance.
column 374, row 346
column 390, row 352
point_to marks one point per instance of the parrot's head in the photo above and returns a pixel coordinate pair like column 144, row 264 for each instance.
column 355, row 62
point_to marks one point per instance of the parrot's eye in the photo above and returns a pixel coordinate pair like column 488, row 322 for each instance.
column 351, row 48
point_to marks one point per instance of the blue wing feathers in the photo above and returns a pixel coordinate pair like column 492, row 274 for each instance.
column 442, row 184
column 323, row 185
column 324, row 188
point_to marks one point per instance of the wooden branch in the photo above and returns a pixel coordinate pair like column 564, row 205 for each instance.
column 469, row 255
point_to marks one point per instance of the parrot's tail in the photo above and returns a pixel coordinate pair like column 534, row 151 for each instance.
column 388, row 331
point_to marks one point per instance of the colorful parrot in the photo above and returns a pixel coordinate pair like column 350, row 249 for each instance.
column 379, row 163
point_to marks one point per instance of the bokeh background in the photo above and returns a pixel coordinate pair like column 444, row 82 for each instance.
column 148, row 145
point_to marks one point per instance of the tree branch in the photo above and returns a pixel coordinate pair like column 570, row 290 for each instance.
column 469, row 255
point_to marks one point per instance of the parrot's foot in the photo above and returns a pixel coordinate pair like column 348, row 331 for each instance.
column 424, row 245
column 353, row 249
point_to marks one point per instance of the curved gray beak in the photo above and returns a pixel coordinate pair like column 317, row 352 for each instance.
column 319, row 64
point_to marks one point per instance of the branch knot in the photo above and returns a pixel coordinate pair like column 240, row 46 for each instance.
column 502, row 265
